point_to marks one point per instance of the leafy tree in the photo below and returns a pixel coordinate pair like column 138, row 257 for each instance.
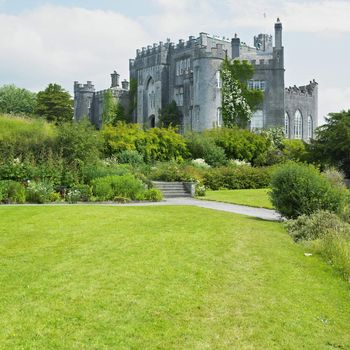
column 332, row 142
column 55, row 104
column 239, row 102
column 170, row 115
column 14, row 100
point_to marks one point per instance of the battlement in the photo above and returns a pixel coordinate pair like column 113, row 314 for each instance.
column 88, row 87
column 306, row 90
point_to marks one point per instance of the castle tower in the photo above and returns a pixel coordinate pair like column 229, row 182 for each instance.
column 83, row 98
column 235, row 46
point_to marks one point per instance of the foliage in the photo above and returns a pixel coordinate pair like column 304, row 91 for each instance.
column 109, row 108
column 79, row 142
column 110, row 187
column 163, row 144
column 170, row 115
column 238, row 101
column 130, row 157
column 299, row 189
column 39, row 192
column 332, row 142
column 122, row 137
column 240, row 144
column 315, row 226
column 203, row 147
column 14, row 100
column 23, row 136
column 335, row 177
column 11, row 192
column 330, row 238
column 295, row 150
column 153, row 194
column 55, row 104
column 237, row 177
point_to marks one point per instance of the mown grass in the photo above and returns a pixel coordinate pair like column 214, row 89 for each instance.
column 252, row 197
column 99, row 277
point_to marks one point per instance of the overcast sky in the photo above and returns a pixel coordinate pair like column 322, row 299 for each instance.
column 62, row 41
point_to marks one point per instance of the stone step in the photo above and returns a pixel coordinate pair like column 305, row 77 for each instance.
column 172, row 189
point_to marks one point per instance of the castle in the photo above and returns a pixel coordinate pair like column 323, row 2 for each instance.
column 189, row 73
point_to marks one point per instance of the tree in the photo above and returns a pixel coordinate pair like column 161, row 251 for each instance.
column 55, row 104
column 238, row 101
column 170, row 115
column 332, row 143
column 14, row 100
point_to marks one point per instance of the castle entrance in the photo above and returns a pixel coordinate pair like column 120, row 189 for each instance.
column 152, row 121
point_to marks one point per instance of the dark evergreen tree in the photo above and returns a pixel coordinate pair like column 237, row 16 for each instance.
column 170, row 115
column 55, row 104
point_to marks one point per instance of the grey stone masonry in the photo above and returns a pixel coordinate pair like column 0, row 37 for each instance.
column 189, row 73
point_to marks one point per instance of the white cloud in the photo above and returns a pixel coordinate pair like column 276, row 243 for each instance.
column 63, row 44
column 305, row 16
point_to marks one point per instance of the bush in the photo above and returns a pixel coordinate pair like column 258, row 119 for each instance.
column 237, row 177
column 39, row 192
column 103, row 169
column 130, row 157
column 12, row 192
column 201, row 146
column 299, row 189
column 110, row 187
column 335, row 177
column 315, row 226
column 78, row 193
column 153, row 195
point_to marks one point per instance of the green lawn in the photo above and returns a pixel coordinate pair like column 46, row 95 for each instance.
column 253, row 198
column 100, row 277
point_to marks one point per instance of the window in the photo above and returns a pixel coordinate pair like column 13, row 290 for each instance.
column 219, row 117
column 298, row 125
column 286, row 125
column 179, row 96
column 182, row 66
column 257, row 120
column 257, row 85
column 218, row 80
column 309, row 127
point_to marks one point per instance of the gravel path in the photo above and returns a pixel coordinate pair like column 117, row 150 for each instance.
column 261, row 213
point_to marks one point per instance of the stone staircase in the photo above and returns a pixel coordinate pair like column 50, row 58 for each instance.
column 173, row 189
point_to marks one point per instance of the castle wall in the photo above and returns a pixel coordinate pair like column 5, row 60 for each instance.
column 305, row 100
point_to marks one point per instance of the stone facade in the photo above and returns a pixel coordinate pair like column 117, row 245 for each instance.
column 189, row 73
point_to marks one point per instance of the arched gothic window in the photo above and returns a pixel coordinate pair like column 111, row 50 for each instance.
column 286, row 125
column 309, row 127
column 298, row 125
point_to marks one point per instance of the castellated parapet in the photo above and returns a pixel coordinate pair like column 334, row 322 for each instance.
column 188, row 72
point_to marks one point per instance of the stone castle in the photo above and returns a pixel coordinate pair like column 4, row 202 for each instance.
column 189, row 73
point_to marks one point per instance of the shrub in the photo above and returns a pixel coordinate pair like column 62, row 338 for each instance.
column 294, row 150
column 153, row 195
column 110, row 187
column 12, row 192
column 335, row 177
column 130, row 157
column 202, row 147
column 39, row 192
column 335, row 249
column 315, row 226
column 237, row 177
column 78, row 193
column 299, row 189
column 104, row 168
